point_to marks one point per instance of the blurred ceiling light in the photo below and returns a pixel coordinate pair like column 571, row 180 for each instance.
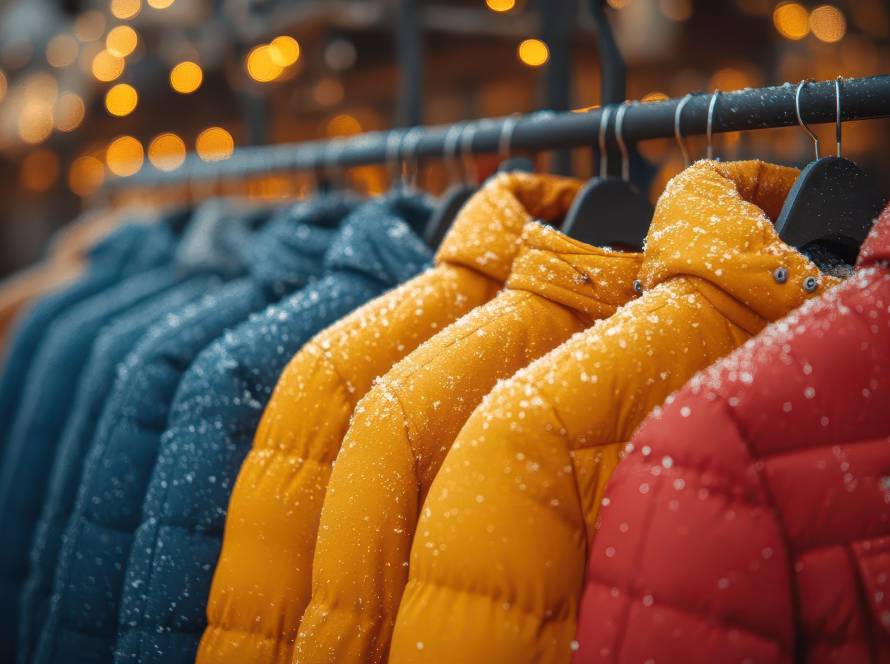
column 121, row 41
column 343, row 125
column 160, row 4
column 3, row 85
column 340, row 54
column 654, row 96
column 828, row 24
column 731, row 78
column 121, row 99
column 124, row 156
column 500, row 5
column 39, row 170
column 107, row 66
column 676, row 10
column 166, row 152
column 261, row 66
column 62, row 50
column 214, row 144
column 618, row 4
column 69, row 112
column 792, row 20
column 35, row 122
column 85, row 175
column 328, row 92
column 284, row 51
column 125, row 8
column 754, row 7
column 89, row 26
column 186, row 77
column 533, row 52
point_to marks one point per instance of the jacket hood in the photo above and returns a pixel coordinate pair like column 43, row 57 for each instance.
column 216, row 240
column 379, row 239
column 876, row 248
column 714, row 223
column 486, row 234
column 290, row 249
column 591, row 280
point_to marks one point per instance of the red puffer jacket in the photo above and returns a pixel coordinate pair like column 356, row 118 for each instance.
column 751, row 520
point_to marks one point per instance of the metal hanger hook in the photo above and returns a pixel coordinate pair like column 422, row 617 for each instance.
column 837, row 109
column 800, row 121
column 678, row 134
column 466, row 145
column 391, row 153
column 712, row 106
column 619, row 138
column 605, row 113
column 449, row 151
column 331, row 158
column 508, row 127
column 410, row 162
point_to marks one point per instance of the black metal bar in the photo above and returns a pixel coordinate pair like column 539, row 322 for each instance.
column 745, row 110
column 409, row 45
column 557, row 20
column 613, row 71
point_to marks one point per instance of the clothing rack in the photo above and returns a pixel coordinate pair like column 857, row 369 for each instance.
column 744, row 110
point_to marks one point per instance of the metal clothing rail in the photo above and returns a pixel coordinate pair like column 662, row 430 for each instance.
column 744, row 110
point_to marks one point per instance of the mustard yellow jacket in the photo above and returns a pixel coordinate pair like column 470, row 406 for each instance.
column 404, row 426
column 262, row 580
column 497, row 564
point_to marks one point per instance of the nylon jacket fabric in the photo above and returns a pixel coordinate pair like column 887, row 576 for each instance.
column 403, row 428
column 497, row 565
column 83, row 614
column 210, row 251
column 767, row 476
column 213, row 419
column 262, row 581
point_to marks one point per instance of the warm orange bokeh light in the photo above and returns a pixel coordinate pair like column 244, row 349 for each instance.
column 121, row 41
column 124, row 156
column 186, row 77
column 35, row 122
column 792, row 20
column 343, row 125
column 69, row 112
column 62, row 50
column 121, row 99
column 214, row 144
column 125, row 8
column 89, row 26
column 828, row 24
column 166, row 152
column 39, row 170
column 533, row 52
column 500, row 5
column 160, row 4
column 284, row 51
column 107, row 67
column 85, row 175
column 261, row 66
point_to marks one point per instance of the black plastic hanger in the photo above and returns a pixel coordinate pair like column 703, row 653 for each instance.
column 610, row 211
column 833, row 201
column 458, row 193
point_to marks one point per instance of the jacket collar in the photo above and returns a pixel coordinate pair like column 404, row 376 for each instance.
column 876, row 247
column 590, row 280
column 216, row 240
column 713, row 225
column 486, row 233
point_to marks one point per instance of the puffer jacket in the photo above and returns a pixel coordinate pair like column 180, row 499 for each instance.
column 498, row 561
column 262, row 580
column 83, row 613
column 767, row 476
column 215, row 414
column 210, row 252
column 403, row 428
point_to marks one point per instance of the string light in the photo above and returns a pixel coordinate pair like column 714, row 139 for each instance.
column 284, row 51
column 828, row 24
column 124, row 156
column 107, row 66
column 186, row 77
column 214, row 144
column 166, row 152
column 261, row 66
column 39, row 170
column 791, row 20
column 85, row 175
column 121, row 99
column 69, row 112
column 62, row 50
column 89, row 26
column 533, row 52
column 500, row 5
column 121, row 41
column 124, row 9
column 160, row 4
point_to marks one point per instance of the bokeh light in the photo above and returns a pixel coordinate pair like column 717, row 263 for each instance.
column 125, row 8
column 160, row 4
column 533, row 52
column 214, row 144
column 328, row 92
column 121, row 41
column 343, row 125
column 39, row 170
column 69, row 112
column 3, row 85
column 500, row 5
column 107, row 66
column 186, row 77
column 35, row 122
column 676, row 10
column 261, row 66
column 828, row 24
column 62, row 50
column 89, row 26
column 85, row 175
column 124, row 156
column 792, row 20
column 284, row 51
column 121, row 99
column 166, row 152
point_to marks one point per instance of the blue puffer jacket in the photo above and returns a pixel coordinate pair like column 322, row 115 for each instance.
column 209, row 253
column 128, row 251
column 217, row 409
column 82, row 622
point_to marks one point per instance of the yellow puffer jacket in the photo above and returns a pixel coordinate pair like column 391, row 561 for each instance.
column 498, row 562
column 262, row 580
column 403, row 428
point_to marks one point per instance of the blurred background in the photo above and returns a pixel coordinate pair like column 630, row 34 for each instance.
column 91, row 89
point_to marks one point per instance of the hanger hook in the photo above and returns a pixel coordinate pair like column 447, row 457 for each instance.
column 410, row 162
column 800, row 121
column 393, row 147
column 332, row 168
column 712, row 107
column 619, row 138
column 678, row 134
column 837, row 108
column 449, row 151
column 508, row 127
column 466, row 145
column 605, row 113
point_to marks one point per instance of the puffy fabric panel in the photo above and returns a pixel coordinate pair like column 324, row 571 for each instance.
column 767, row 476
column 214, row 416
column 89, row 575
column 498, row 561
column 110, row 349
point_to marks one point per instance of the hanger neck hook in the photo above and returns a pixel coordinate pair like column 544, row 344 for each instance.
column 466, row 146
column 837, row 109
column 331, row 157
column 619, row 138
column 605, row 114
column 449, row 152
column 678, row 134
column 410, row 162
column 800, row 121
column 505, row 141
column 393, row 147
column 712, row 107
